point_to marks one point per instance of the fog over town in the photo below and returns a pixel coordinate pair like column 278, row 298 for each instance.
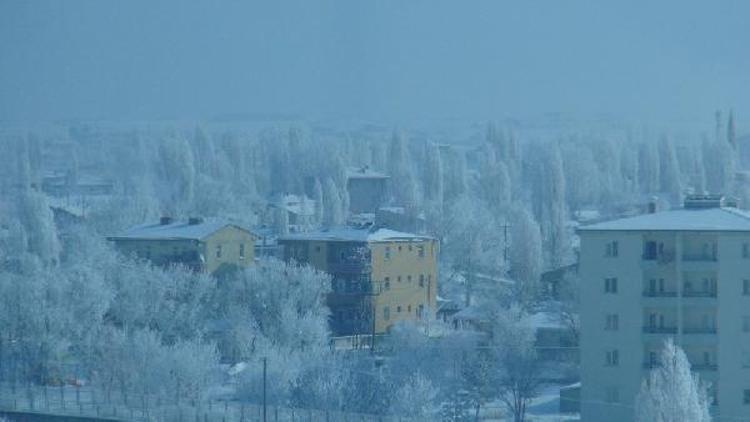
column 374, row 211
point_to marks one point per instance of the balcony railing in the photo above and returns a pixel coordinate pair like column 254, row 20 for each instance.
column 699, row 257
column 699, row 293
column 699, row 330
column 655, row 293
column 350, row 267
column 705, row 367
column 659, row 330
column 661, row 258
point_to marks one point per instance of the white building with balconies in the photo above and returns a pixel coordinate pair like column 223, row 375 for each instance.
column 682, row 273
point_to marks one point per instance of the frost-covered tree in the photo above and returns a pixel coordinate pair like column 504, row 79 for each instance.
column 403, row 183
column 433, row 176
column 648, row 171
column 415, row 398
column 520, row 374
column 525, row 252
column 669, row 171
column 177, row 173
column 333, row 213
column 671, row 393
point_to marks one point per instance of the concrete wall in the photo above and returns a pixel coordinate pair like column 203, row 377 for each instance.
column 403, row 270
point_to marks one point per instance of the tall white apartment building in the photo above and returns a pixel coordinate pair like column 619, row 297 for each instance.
column 682, row 273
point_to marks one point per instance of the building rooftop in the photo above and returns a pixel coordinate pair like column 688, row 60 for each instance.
column 686, row 219
column 179, row 230
column 364, row 173
column 350, row 234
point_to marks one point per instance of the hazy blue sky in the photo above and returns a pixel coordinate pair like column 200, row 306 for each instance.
column 371, row 59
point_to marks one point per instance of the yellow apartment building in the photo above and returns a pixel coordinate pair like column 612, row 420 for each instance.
column 380, row 277
column 198, row 244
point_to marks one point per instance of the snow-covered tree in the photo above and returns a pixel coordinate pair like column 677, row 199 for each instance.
column 333, row 213
column 671, row 393
column 525, row 253
column 520, row 371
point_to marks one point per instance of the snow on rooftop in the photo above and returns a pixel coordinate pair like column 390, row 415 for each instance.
column 179, row 230
column 705, row 219
column 355, row 235
column 364, row 173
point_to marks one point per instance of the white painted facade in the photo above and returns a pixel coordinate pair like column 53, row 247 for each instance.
column 675, row 273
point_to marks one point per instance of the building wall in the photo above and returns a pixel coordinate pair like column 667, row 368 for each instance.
column 162, row 252
column 408, row 294
column 165, row 252
column 405, row 263
column 230, row 239
column 608, row 392
column 721, row 358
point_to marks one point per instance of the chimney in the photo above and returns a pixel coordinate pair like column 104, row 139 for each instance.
column 164, row 221
column 194, row 221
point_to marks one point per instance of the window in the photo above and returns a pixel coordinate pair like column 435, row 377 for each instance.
column 387, row 279
column 398, row 278
column 612, row 358
column 408, row 278
column 218, row 251
column 387, row 285
column 411, row 248
column 746, row 287
column 400, row 247
column 746, row 358
column 387, row 253
column 408, row 309
column 746, row 324
column 386, row 313
column 317, row 249
column 610, row 285
column 421, row 280
column 612, row 395
column 398, row 309
column 420, row 251
column 746, row 397
column 746, row 250
column 242, row 251
column 612, row 322
column 611, row 249
column 420, row 311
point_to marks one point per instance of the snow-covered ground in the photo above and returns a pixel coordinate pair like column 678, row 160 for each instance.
column 544, row 408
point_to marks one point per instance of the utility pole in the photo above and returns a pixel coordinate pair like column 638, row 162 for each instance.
column 264, row 389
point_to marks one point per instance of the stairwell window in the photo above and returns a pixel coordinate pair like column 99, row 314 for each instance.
column 612, row 358
column 218, row 251
column 746, row 324
column 746, row 250
column 386, row 313
column 610, row 285
column 612, row 249
column 746, row 287
column 746, row 397
column 612, row 322
column 387, row 253
column 242, row 251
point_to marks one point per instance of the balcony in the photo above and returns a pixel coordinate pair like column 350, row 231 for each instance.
column 661, row 258
column 709, row 367
column 699, row 330
column 350, row 267
column 656, row 293
column 699, row 257
column 699, row 293
column 659, row 330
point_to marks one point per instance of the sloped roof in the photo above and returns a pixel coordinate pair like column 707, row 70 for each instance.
column 349, row 234
column 709, row 219
column 364, row 173
column 180, row 230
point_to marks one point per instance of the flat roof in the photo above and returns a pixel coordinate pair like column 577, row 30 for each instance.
column 179, row 230
column 706, row 219
column 350, row 234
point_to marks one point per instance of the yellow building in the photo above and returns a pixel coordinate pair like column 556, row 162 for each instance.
column 202, row 245
column 380, row 277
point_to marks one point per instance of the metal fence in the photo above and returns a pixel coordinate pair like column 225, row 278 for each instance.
column 84, row 401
